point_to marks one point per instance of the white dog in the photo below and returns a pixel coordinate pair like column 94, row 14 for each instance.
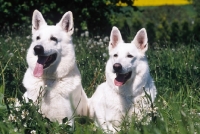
column 52, row 78
column 128, row 81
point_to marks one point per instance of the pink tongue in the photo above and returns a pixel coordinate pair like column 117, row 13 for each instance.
column 38, row 71
column 119, row 80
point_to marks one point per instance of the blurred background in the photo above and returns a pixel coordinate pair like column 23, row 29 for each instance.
column 165, row 20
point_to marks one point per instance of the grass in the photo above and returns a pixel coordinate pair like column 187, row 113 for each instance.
column 174, row 67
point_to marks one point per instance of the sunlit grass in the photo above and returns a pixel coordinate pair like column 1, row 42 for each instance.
column 160, row 2
column 155, row 2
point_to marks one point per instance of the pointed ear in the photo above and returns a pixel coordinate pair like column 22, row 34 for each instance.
column 141, row 40
column 67, row 22
column 37, row 21
column 115, row 37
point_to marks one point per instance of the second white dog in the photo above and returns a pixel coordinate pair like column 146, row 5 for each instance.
column 127, row 80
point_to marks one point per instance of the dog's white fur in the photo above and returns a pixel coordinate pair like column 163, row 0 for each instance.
column 111, row 102
column 58, row 90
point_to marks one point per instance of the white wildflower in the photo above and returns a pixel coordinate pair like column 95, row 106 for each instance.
column 99, row 43
column 82, row 34
column 28, row 37
column 25, row 125
column 22, row 49
column 106, row 39
column 94, row 129
column 11, row 117
column 104, row 55
column 97, row 37
column 17, row 104
column 89, row 42
column 164, row 104
column 15, row 129
column 11, row 54
column 86, row 34
column 33, row 132
column 195, row 68
column 24, row 114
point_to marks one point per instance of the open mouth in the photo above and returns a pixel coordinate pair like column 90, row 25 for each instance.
column 43, row 62
column 50, row 59
column 122, row 78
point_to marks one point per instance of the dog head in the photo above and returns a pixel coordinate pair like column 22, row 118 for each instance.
column 125, row 57
column 51, row 45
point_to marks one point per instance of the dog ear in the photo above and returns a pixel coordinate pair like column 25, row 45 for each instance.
column 141, row 40
column 115, row 37
column 37, row 21
column 67, row 22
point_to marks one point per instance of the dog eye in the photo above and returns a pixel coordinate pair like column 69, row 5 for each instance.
column 54, row 39
column 115, row 55
column 130, row 56
column 38, row 37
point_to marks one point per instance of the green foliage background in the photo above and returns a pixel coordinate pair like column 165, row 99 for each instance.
column 88, row 14
column 99, row 16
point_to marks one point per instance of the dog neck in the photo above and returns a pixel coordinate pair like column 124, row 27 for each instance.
column 124, row 90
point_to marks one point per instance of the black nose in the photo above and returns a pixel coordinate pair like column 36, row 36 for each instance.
column 39, row 50
column 117, row 67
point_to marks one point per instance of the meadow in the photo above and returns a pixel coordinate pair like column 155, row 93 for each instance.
column 175, row 71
